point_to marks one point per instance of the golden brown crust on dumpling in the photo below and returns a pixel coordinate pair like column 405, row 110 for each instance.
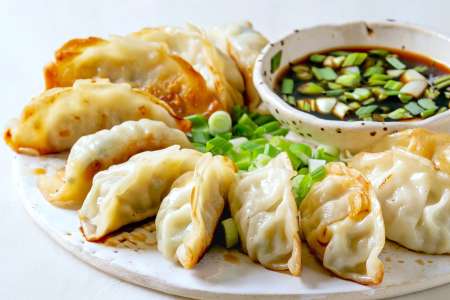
column 167, row 76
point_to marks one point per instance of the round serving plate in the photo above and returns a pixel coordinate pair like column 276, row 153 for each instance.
column 217, row 276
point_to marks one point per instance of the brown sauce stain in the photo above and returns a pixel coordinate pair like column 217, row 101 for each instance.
column 231, row 258
column 420, row 262
column 39, row 171
column 429, row 261
column 388, row 259
column 400, row 261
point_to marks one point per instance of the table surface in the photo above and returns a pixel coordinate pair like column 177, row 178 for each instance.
column 35, row 267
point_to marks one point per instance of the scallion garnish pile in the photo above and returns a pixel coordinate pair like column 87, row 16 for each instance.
column 251, row 140
column 372, row 85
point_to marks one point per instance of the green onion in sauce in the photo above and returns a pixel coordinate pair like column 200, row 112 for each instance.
column 366, row 84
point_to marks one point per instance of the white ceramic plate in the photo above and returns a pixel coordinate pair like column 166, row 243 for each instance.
column 215, row 277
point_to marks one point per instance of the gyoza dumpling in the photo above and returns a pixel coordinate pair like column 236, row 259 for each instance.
column 96, row 152
column 57, row 118
column 342, row 223
column 264, row 210
column 132, row 191
column 431, row 145
column 219, row 71
column 243, row 44
column 144, row 65
column 414, row 196
column 188, row 215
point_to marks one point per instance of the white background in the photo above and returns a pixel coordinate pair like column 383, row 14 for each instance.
column 31, row 265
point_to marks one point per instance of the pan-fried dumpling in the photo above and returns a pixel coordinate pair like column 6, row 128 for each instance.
column 144, row 65
column 219, row 71
column 342, row 223
column 56, row 119
column 414, row 197
column 431, row 145
column 188, row 215
column 264, row 210
column 98, row 151
column 132, row 191
column 243, row 44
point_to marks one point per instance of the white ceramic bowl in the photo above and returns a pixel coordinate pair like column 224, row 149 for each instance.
column 346, row 135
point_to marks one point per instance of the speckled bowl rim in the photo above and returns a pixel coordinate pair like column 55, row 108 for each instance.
column 264, row 89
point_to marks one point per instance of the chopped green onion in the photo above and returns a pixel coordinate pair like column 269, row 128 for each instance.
column 219, row 122
column 378, row 79
column 237, row 112
column 302, row 151
column 354, row 105
column 301, row 184
column 290, row 99
column 399, row 113
column 275, row 62
column 327, row 153
column 421, row 69
column 413, row 108
column 326, row 73
column 287, row 86
column 395, row 62
column 350, row 70
column 280, row 143
column 427, row 103
column 280, row 131
column 414, row 88
column 334, row 93
column 230, row 231
column 366, row 111
column 253, row 144
column 218, row 145
column 317, row 58
column 441, row 79
column 442, row 109
column 304, row 75
column 427, row 113
column 393, row 85
column 197, row 121
column 300, row 68
column 261, row 160
column 243, row 159
column 271, row 150
column 361, row 93
column 404, row 98
column 369, row 101
column 266, row 128
column 431, row 93
column 310, row 88
column 318, row 174
column 313, row 164
column 354, row 59
column 373, row 70
column 199, row 147
column 245, row 126
column 200, row 136
column 349, row 80
column 411, row 75
column 340, row 110
column 394, row 73
column 303, row 171
column 380, row 93
column 443, row 84
column 334, row 86
column 263, row 119
column 333, row 62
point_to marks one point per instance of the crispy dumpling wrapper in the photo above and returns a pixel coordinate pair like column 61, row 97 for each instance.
column 243, row 44
column 220, row 73
column 144, row 65
column 428, row 144
column 189, row 214
column 342, row 223
column 414, row 196
column 56, row 119
column 263, row 207
column 132, row 191
column 98, row 151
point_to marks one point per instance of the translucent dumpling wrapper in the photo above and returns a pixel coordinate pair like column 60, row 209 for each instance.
column 144, row 65
column 414, row 196
column 342, row 223
column 428, row 144
column 132, row 191
column 243, row 44
column 98, row 151
column 219, row 71
column 56, row 119
column 263, row 207
column 188, row 215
